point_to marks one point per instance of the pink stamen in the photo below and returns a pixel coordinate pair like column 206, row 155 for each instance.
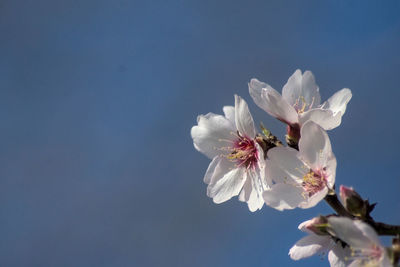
column 244, row 152
column 313, row 182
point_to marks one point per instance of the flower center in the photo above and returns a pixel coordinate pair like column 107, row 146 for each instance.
column 244, row 152
column 313, row 182
column 301, row 105
column 369, row 256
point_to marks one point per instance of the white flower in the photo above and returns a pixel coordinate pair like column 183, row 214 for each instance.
column 238, row 164
column 366, row 248
column 319, row 243
column 300, row 102
column 301, row 178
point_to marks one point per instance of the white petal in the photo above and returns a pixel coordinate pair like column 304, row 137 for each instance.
column 279, row 108
column 261, row 167
column 252, row 191
column 331, row 170
column 284, row 163
column 228, row 186
column 218, row 167
column 244, row 120
column 385, row 261
column 300, row 88
column 255, row 89
column 347, row 230
column 211, row 169
column 323, row 117
column 339, row 256
column 246, row 191
column 309, row 246
column 310, row 89
column 369, row 232
column 274, row 174
column 212, row 133
column 356, row 263
column 229, row 113
column 314, row 145
column 261, row 161
column 283, row 196
column 338, row 102
column 302, row 226
column 291, row 91
column 310, row 202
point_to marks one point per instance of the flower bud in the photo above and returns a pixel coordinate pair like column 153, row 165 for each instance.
column 353, row 202
column 317, row 225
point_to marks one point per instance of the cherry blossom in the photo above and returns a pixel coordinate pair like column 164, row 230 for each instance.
column 238, row 164
column 301, row 178
column 366, row 248
column 300, row 102
column 319, row 242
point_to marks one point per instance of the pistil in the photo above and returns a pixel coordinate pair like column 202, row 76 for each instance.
column 244, row 152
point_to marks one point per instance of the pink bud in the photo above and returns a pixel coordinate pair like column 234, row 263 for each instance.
column 346, row 192
column 317, row 225
column 353, row 202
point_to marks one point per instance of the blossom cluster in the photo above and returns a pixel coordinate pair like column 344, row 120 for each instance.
column 260, row 170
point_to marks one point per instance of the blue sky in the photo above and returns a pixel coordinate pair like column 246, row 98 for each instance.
column 97, row 99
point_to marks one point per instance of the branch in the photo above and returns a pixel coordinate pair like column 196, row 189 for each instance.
column 384, row 229
column 337, row 206
column 380, row 228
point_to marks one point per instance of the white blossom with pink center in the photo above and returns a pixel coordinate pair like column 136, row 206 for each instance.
column 301, row 178
column 300, row 102
column 366, row 248
column 238, row 164
column 316, row 243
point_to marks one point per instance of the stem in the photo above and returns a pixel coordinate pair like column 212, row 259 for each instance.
column 380, row 228
column 336, row 205
column 385, row 229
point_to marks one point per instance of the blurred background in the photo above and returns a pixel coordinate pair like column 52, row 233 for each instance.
column 97, row 98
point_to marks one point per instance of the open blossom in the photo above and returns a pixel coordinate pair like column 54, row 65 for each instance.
column 366, row 248
column 301, row 178
column 238, row 164
column 300, row 102
column 319, row 242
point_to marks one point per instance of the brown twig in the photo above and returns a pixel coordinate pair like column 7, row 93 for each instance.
column 337, row 206
column 385, row 229
column 380, row 228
